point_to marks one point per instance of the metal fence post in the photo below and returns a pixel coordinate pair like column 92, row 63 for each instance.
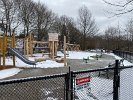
column 130, row 57
column 116, row 81
column 67, row 87
column 71, row 86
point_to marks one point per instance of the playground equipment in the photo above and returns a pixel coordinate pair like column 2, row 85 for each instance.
column 72, row 47
column 6, row 41
column 7, row 44
column 20, row 56
column 51, row 45
column 69, row 47
column 65, row 60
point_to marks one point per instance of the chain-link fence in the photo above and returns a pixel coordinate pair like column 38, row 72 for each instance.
column 40, row 88
column 112, row 83
column 126, row 84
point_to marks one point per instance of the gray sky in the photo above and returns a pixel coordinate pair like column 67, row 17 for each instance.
column 97, row 7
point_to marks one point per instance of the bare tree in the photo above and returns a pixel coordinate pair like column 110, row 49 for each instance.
column 114, row 38
column 122, row 6
column 66, row 26
column 65, row 23
column 8, row 15
column 129, row 33
column 40, row 12
column 87, row 24
column 26, row 14
column 44, row 19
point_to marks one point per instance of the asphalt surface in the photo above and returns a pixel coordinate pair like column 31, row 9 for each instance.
column 74, row 64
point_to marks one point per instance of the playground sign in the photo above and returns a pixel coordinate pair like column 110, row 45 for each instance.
column 53, row 36
column 83, row 83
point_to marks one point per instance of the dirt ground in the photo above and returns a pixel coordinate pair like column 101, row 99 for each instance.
column 74, row 64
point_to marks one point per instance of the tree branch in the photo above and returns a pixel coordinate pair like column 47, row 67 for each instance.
column 118, row 4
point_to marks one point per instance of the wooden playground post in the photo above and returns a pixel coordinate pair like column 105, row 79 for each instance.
column 0, row 60
column 53, row 50
column 30, row 45
column 4, row 49
column 0, row 52
column 13, row 46
column 27, row 47
column 24, row 46
column 49, row 45
column 65, row 61
column 55, row 46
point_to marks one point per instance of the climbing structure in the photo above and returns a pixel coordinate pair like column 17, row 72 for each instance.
column 6, row 41
column 72, row 47
column 52, row 44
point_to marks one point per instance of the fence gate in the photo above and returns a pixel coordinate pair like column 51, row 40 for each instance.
column 93, row 84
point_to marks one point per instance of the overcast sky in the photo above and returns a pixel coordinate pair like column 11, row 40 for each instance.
column 97, row 7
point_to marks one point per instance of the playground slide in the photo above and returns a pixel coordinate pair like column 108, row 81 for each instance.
column 20, row 56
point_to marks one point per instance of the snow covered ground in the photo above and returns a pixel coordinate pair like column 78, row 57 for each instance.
column 101, row 88
column 52, row 64
column 78, row 55
column 43, row 64
column 9, row 72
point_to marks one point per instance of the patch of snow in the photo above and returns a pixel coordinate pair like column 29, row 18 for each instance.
column 125, row 62
column 78, row 54
column 9, row 72
column 49, row 64
column 42, row 64
column 112, row 54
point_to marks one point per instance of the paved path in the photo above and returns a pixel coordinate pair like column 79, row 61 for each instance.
column 75, row 65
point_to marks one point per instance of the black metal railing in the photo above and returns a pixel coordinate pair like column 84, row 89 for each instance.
column 124, row 54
